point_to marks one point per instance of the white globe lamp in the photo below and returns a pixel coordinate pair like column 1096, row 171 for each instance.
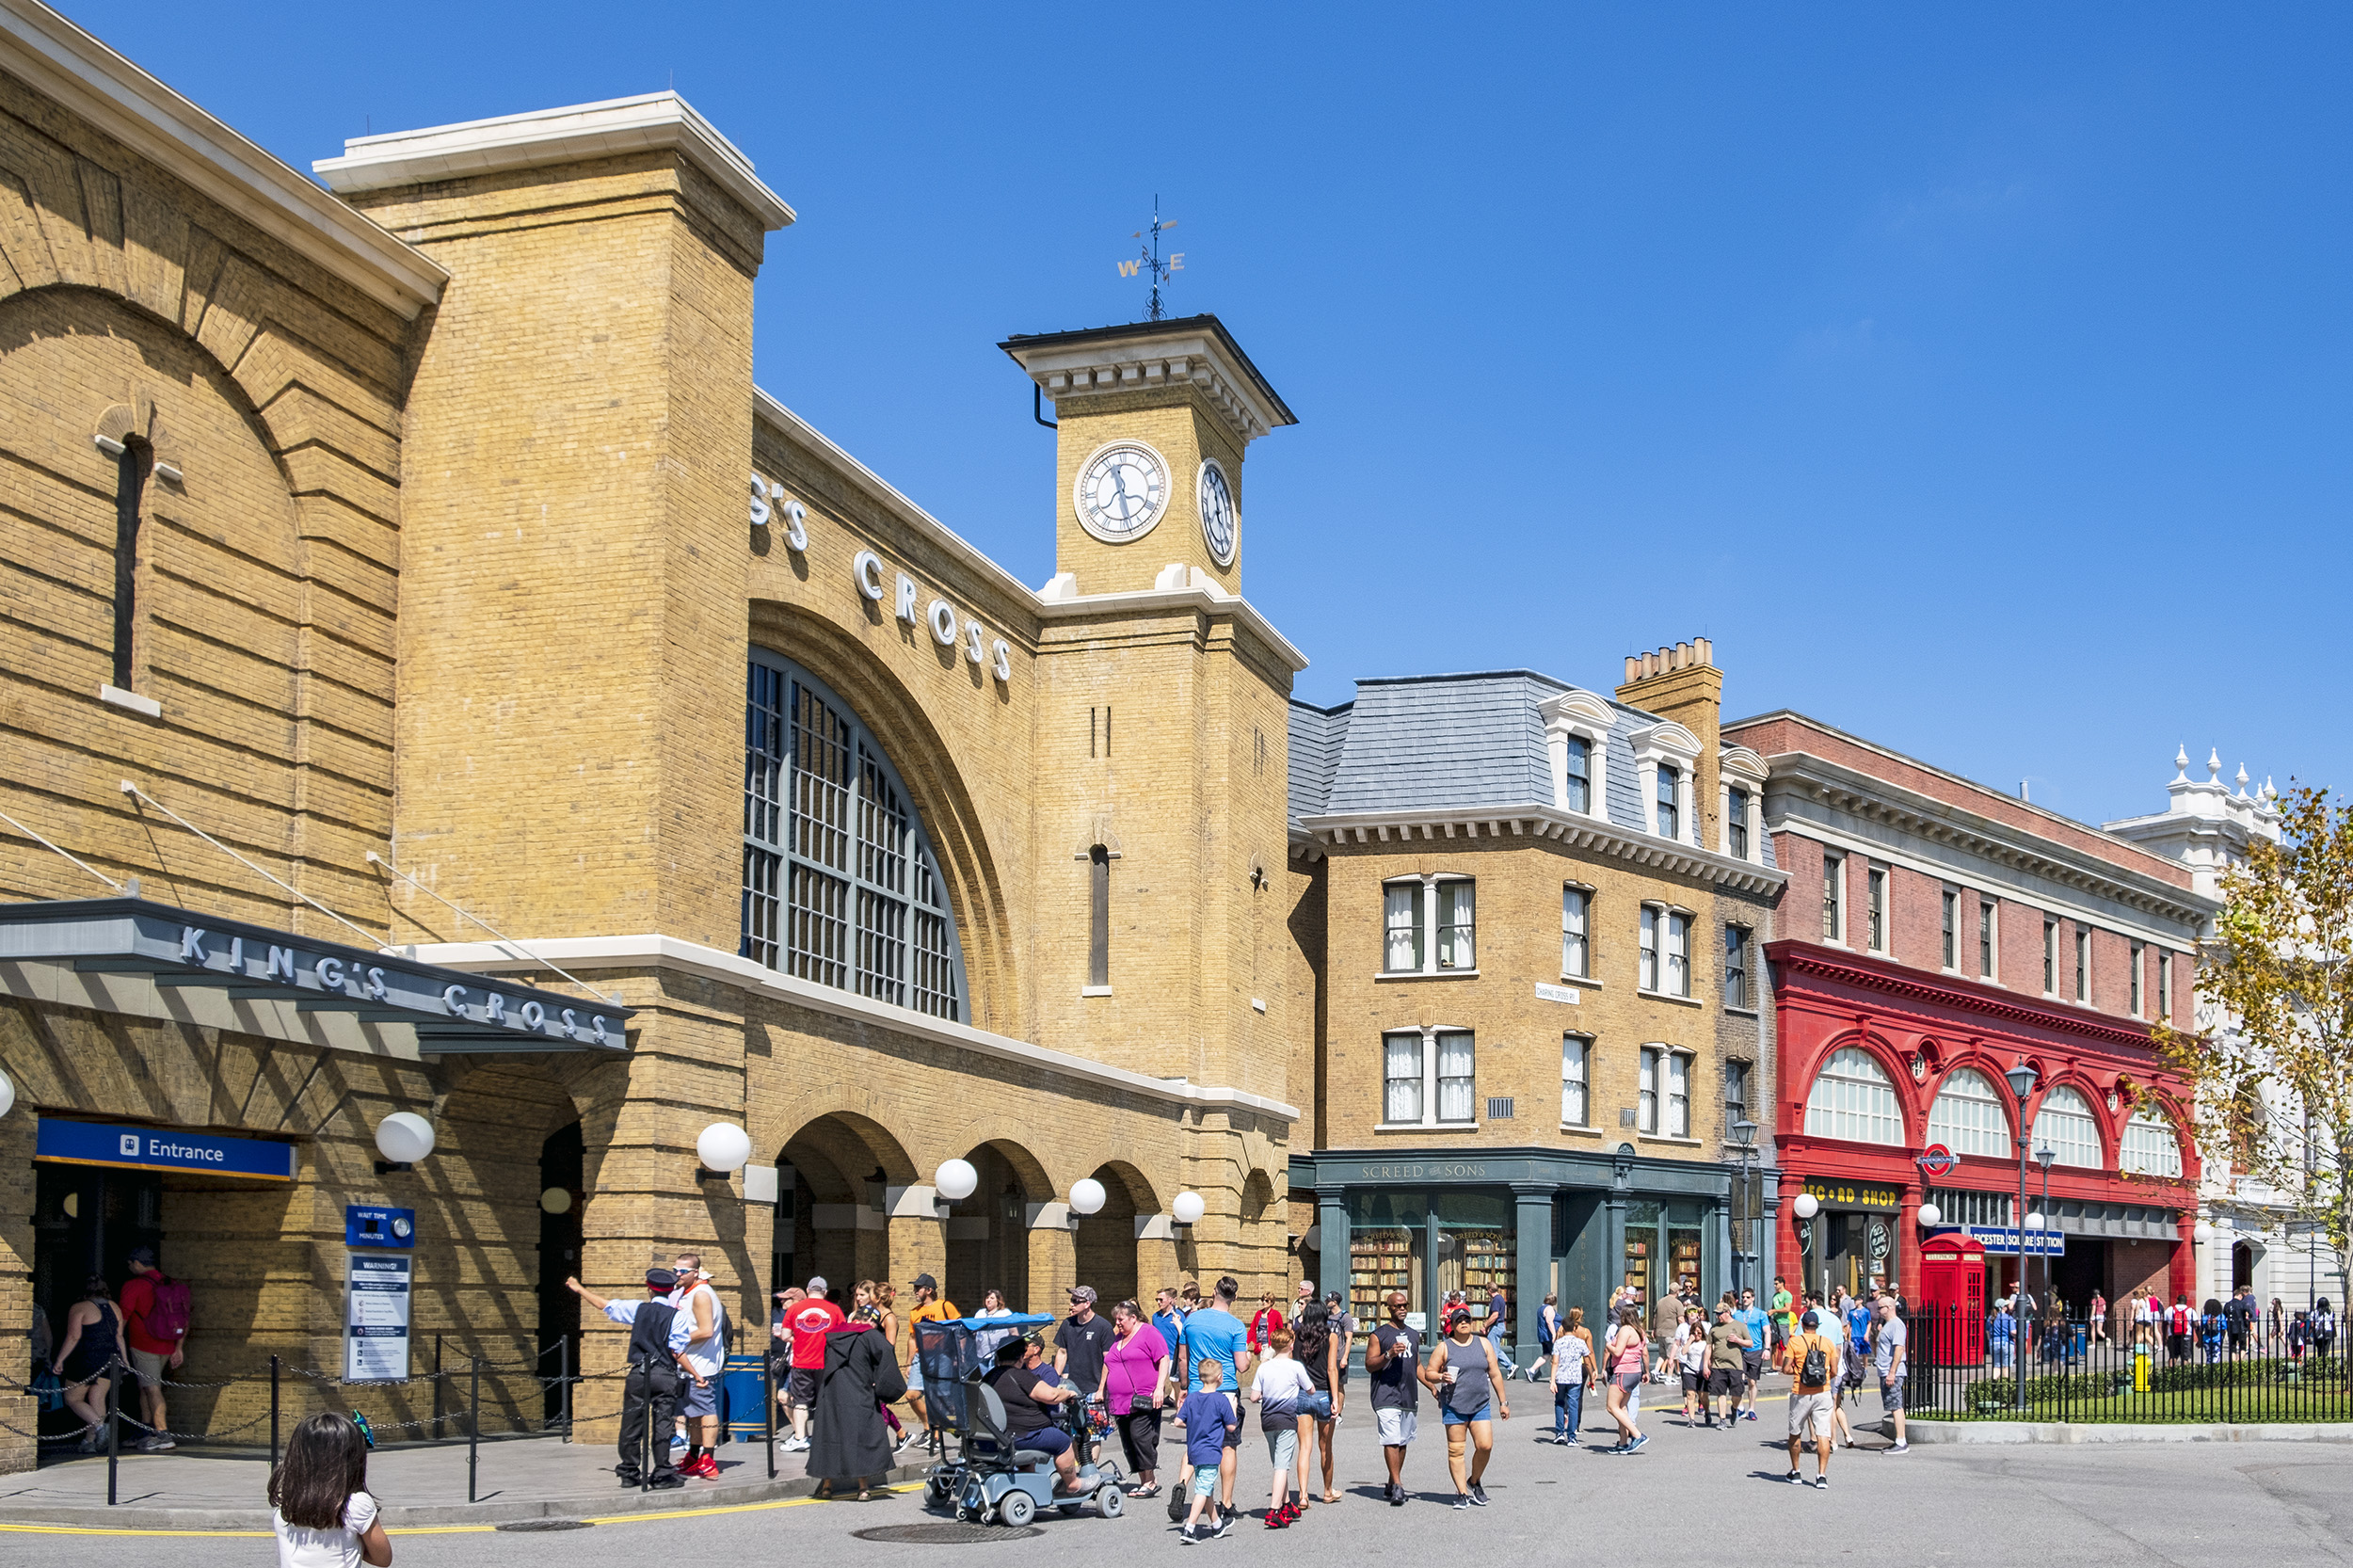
column 723, row 1147
column 1806, row 1205
column 1932, row 1216
column 956, row 1180
column 1087, row 1196
column 2203, row 1233
column 404, row 1138
column 2034, row 1219
column 555, row 1200
column 1188, row 1209
column 8, row 1093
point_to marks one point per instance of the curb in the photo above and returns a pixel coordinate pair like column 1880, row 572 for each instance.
column 1972, row 1433
column 497, row 1511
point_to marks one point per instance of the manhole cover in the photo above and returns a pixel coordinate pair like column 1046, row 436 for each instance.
column 545, row 1524
column 945, row 1534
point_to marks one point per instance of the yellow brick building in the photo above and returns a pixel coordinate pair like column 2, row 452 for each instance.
column 438, row 682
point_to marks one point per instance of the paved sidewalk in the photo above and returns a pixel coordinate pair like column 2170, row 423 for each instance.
column 521, row 1477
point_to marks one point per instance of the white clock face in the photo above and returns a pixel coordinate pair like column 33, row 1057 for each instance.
column 1122, row 491
column 1220, row 524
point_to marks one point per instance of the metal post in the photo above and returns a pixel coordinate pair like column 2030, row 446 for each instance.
column 474, row 1425
column 564, row 1384
column 273, row 1415
column 114, row 1432
column 768, row 1402
column 437, row 1388
column 2017, row 1306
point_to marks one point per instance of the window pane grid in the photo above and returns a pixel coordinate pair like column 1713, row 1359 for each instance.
column 1851, row 1098
column 1401, row 919
column 1647, row 1115
column 1678, row 955
column 1678, row 1096
column 1670, row 813
column 2150, row 1146
column 1968, row 1117
column 1575, row 925
column 1736, row 966
column 1402, row 1068
column 1576, row 1057
column 1736, row 823
column 1581, row 773
column 2065, row 1127
column 762, row 906
column 1455, row 950
column 1649, row 978
column 1457, row 1077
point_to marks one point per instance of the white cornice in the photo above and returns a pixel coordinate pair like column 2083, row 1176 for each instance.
column 651, row 121
column 1533, row 821
column 55, row 58
column 1099, row 363
column 1144, row 601
column 654, row 950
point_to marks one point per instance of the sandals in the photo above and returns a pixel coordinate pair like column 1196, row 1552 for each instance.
column 866, row 1494
column 1329, row 1498
column 1151, row 1490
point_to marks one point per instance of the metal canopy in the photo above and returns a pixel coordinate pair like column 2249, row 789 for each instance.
column 452, row 1011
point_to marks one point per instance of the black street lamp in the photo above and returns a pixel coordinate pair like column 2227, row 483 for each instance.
column 2045, row 1157
column 1743, row 1138
column 2022, row 1081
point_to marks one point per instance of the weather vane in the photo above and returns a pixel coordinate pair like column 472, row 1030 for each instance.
column 1148, row 260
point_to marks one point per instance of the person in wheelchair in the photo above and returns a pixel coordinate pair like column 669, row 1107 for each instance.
column 1030, row 1400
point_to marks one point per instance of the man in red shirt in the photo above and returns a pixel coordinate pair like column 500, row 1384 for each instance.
column 151, row 1352
column 808, row 1320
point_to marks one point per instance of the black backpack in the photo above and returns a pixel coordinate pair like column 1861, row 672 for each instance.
column 1815, row 1372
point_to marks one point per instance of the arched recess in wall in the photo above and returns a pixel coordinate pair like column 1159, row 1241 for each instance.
column 934, row 788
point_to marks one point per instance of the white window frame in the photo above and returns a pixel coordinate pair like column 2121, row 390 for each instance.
column 2129, row 1161
column 1669, row 742
column 2044, row 1129
column 1576, row 1072
column 1426, row 928
column 1739, row 768
column 2138, row 994
column 2083, row 963
column 1678, row 955
column 2165, row 985
column 1948, row 933
column 1877, row 927
column 1657, row 1107
column 1989, row 940
column 1431, row 1086
column 1967, row 1131
column 1587, row 717
column 1823, row 1118
column 1583, row 934
column 1834, row 896
column 1656, row 972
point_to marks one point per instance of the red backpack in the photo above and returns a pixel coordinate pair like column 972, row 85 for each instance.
column 168, row 1318
column 2180, row 1319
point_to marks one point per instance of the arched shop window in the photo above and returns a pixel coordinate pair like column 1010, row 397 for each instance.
column 1968, row 1117
column 1851, row 1098
column 2151, row 1147
column 2064, row 1125
column 840, row 885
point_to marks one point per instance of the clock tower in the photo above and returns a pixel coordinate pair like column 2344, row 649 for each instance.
column 1152, row 420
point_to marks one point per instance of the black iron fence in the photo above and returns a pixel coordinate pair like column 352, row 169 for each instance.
column 1964, row 1366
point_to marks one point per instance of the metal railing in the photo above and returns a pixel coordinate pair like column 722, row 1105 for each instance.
column 1964, row 1366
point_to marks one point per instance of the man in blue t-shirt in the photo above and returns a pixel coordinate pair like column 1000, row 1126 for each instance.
column 1168, row 1317
column 1214, row 1336
column 1752, row 1317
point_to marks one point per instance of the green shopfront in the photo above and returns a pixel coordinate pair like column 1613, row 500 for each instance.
column 1543, row 1221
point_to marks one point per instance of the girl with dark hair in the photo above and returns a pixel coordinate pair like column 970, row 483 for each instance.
column 321, row 1509
column 85, row 1362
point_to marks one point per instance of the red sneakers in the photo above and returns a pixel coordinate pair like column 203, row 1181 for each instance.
column 707, row 1467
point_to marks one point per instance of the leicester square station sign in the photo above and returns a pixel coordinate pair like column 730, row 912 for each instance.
column 179, row 949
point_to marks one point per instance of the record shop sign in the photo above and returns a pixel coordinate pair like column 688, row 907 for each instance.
column 178, row 949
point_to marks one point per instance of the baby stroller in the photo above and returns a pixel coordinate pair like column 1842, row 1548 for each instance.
column 988, row 1478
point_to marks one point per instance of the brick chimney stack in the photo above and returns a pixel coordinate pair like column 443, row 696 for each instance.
column 1682, row 683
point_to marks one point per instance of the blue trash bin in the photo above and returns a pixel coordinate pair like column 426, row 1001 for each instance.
column 743, row 1392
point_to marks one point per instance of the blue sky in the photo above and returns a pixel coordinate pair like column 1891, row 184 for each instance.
column 1980, row 384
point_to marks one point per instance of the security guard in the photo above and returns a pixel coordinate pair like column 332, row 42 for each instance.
column 658, row 1332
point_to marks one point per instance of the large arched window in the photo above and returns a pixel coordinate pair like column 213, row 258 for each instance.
column 1969, row 1117
column 2151, row 1147
column 840, row 885
column 2065, row 1126
column 1851, row 1098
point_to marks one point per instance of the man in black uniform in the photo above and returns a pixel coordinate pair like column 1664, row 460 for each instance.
column 658, row 1332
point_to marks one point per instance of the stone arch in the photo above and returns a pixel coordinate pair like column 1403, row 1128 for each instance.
column 988, row 1234
column 835, row 1175
column 1893, row 1065
column 934, row 786
column 1106, row 1243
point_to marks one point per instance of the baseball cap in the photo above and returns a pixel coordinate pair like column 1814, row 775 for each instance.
column 924, row 1281
column 661, row 1279
column 1083, row 1293
column 816, row 1285
column 1723, row 1309
column 1812, row 1320
column 143, row 1254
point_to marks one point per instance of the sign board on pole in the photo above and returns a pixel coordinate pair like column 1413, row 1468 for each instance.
column 376, row 1317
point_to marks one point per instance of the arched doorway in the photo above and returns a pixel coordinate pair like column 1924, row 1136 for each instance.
column 834, row 1177
column 2242, row 1267
column 988, row 1233
column 1106, row 1241
column 562, row 1190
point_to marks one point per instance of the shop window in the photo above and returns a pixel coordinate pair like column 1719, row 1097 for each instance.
column 2065, row 1125
column 1414, row 911
column 841, row 885
column 1576, row 1066
column 1579, row 774
column 1576, row 954
column 2151, row 1147
column 1969, row 1117
column 1852, row 1098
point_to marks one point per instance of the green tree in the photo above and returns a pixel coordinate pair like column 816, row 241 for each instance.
column 2271, row 1057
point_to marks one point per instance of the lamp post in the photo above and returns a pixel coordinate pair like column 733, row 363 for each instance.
column 2045, row 1157
column 1744, row 1138
column 2022, row 1081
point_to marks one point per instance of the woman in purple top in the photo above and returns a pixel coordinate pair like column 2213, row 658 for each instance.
column 1136, row 1382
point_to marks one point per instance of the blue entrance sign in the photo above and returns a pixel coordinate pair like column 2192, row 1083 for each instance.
column 2002, row 1240
column 149, row 1149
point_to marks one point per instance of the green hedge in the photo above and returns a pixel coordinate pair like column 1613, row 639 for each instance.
column 2256, row 1372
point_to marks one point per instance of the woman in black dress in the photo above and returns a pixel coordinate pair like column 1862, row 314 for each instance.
column 850, row 1440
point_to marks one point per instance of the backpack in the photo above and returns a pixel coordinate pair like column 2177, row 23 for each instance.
column 2180, row 1319
column 170, row 1317
column 1815, row 1371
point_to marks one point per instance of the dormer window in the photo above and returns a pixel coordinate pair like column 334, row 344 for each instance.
column 1736, row 823
column 1666, row 760
column 1740, row 788
column 1670, row 796
column 1576, row 737
column 1577, row 774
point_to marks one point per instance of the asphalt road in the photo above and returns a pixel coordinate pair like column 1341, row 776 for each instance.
column 1691, row 1493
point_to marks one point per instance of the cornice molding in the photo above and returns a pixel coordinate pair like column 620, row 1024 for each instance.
column 1071, row 367
column 1891, row 979
column 53, row 57
column 1537, row 823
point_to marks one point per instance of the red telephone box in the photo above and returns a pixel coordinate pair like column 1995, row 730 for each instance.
column 1952, row 1290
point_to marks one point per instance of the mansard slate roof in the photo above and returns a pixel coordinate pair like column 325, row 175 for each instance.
column 1446, row 743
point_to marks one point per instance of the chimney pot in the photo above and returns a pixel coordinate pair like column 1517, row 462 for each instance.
column 1633, row 668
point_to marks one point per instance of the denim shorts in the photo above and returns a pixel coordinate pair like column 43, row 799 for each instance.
column 1447, row 1414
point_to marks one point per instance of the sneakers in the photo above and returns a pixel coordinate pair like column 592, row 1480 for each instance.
column 1184, row 1533
column 794, row 1446
column 1794, row 1478
column 1225, row 1524
column 666, row 1483
column 1748, row 1415
column 1477, row 1496
column 1822, row 1484
column 1898, row 1448
column 1462, row 1501
column 1396, row 1495
column 1639, row 1444
column 707, row 1466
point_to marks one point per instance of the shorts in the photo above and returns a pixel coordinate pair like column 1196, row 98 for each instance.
column 1809, row 1414
column 1282, row 1447
column 1397, row 1426
column 1044, row 1440
column 1753, row 1363
column 1447, row 1417
column 697, row 1398
column 801, row 1388
column 915, row 1376
column 1626, row 1382
column 1693, row 1381
column 147, row 1366
column 1892, row 1395
column 1233, row 1433
column 1205, row 1481
column 1727, row 1382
